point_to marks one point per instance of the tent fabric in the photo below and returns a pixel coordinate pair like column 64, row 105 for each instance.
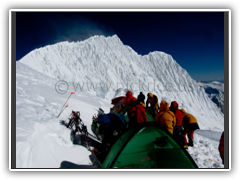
column 147, row 145
column 139, row 145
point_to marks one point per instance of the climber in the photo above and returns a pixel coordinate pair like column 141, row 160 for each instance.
column 221, row 147
column 166, row 117
column 153, row 101
column 117, row 102
column 141, row 99
column 177, row 132
column 128, row 99
column 111, row 125
column 95, row 126
column 137, row 114
column 190, row 124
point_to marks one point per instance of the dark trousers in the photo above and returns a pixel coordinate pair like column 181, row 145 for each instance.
column 152, row 111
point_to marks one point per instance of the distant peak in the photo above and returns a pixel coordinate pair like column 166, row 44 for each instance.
column 101, row 37
column 115, row 36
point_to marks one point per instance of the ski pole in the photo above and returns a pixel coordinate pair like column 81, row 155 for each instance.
column 63, row 110
column 65, row 103
column 68, row 98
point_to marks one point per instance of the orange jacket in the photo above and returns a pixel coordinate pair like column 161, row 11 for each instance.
column 166, row 117
column 188, row 118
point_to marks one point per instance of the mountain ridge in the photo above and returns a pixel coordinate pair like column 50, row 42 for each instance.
column 102, row 59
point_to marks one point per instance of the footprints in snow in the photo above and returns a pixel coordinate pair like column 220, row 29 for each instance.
column 205, row 152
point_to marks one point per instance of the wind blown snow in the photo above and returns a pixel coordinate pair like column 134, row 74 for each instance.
column 41, row 142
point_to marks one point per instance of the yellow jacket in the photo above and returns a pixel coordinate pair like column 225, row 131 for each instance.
column 166, row 117
column 188, row 118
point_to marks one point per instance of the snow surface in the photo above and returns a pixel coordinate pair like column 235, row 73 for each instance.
column 205, row 151
column 42, row 142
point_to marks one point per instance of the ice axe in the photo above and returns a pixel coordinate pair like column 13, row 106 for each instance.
column 64, row 105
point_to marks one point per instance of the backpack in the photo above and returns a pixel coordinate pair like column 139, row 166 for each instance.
column 117, row 122
column 137, row 114
column 112, row 120
column 103, row 119
column 120, row 117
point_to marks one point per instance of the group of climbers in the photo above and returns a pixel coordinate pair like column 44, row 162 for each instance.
column 176, row 121
column 179, row 123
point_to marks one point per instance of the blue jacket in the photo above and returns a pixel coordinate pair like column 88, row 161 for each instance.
column 105, row 119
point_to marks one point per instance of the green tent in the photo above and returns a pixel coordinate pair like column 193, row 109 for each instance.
column 148, row 145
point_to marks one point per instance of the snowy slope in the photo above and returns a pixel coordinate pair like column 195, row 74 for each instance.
column 41, row 142
column 215, row 91
column 205, row 151
column 113, row 67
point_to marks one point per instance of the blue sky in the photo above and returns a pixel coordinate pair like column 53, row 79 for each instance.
column 194, row 39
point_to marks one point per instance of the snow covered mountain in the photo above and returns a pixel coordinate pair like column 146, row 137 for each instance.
column 112, row 68
column 108, row 68
column 41, row 142
column 215, row 91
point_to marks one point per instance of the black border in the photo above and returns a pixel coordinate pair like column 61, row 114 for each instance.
column 13, row 90
column 226, row 91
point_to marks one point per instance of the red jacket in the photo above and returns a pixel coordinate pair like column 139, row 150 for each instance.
column 179, row 117
column 177, row 112
column 129, row 98
column 221, row 147
column 137, row 114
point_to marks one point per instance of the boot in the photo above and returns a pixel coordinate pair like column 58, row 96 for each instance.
column 190, row 143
